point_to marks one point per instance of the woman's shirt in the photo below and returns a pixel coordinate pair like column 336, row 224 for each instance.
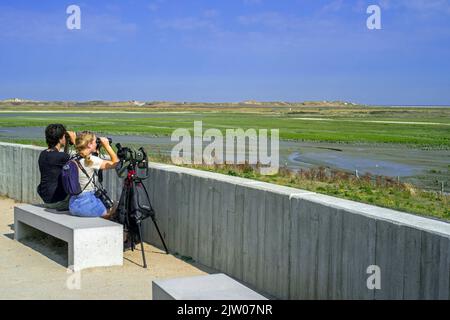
column 97, row 162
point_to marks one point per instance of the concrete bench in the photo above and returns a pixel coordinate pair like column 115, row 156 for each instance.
column 209, row 287
column 92, row 242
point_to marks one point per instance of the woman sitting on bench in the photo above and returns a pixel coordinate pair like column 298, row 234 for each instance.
column 87, row 204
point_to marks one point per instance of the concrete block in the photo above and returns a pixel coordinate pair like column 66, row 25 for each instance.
column 4, row 160
column 357, row 256
column 325, row 241
column 253, row 244
column 148, row 230
column 92, row 242
column 444, row 269
column 432, row 275
column 390, row 257
column 412, row 256
column 157, row 186
column 223, row 215
column 110, row 181
column 304, row 247
column 205, row 222
column 186, row 237
column 335, row 264
column 174, row 211
column 147, row 226
column 194, row 216
column 166, row 195
column 184, row 196
column 326, row 261
column 11, row 170
column 219, row 225
column 258, row 207
column 209, row 287
column 31, row 176
column 236, row 230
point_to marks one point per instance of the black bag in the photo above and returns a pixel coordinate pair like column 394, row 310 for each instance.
column 139, row 209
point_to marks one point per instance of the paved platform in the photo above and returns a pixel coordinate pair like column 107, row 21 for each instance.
column 35, row 269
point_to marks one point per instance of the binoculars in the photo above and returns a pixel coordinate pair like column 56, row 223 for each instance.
column 99, row 143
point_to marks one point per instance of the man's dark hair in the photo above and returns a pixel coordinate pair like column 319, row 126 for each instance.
column 53, row 133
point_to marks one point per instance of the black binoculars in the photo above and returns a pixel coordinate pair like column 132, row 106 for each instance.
column 99, row 143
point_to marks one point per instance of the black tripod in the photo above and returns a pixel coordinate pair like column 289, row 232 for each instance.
column 132, row 210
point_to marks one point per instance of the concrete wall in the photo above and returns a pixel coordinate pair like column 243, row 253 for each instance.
column 289, row 243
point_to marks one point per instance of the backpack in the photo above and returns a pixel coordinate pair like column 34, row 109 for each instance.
column 70, row 178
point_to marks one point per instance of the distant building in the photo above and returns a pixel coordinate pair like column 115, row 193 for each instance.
column 14, row 100
column 138, row 103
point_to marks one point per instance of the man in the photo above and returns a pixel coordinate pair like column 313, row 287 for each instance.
column 51, row 162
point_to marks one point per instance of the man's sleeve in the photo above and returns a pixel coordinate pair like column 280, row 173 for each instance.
column 63, row 158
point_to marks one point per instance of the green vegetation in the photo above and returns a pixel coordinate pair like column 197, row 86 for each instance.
column 421, row 128
column 427, row 128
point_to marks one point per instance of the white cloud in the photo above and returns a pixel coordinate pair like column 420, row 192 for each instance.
column 334, row 6
column 420, row 6
column 153, row 7
column 250, row 2
column 210, row 13
column 206, row 20
column 185, row 23
column 269, row 19
column 49, row 27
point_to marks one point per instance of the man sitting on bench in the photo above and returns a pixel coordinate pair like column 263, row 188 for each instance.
column 51, row 161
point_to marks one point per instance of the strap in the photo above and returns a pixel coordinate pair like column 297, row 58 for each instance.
column 87, row 175
column 85, row 172
column 75, row 157
column 82, row 168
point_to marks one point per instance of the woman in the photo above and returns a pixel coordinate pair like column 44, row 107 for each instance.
column 87, row 204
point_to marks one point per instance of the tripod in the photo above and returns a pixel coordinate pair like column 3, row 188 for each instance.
column 131, row 211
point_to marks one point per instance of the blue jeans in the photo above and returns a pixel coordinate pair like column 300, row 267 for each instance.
column 86, row 205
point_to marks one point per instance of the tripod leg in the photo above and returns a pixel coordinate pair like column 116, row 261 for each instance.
column 160, row 236
column 142, row 245
column 153, row 217
column 127, row 218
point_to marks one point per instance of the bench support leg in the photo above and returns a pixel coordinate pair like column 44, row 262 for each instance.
column 22, row 230
column 93, row 249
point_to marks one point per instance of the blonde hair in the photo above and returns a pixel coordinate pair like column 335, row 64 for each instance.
column 81, row 144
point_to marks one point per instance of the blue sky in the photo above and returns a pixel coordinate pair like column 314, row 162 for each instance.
column 233, row 50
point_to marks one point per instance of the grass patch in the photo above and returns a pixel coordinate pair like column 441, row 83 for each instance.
column 162, row 119
column 348, row 124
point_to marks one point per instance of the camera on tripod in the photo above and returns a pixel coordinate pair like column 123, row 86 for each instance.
column 134, row 204
column 132, row 160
